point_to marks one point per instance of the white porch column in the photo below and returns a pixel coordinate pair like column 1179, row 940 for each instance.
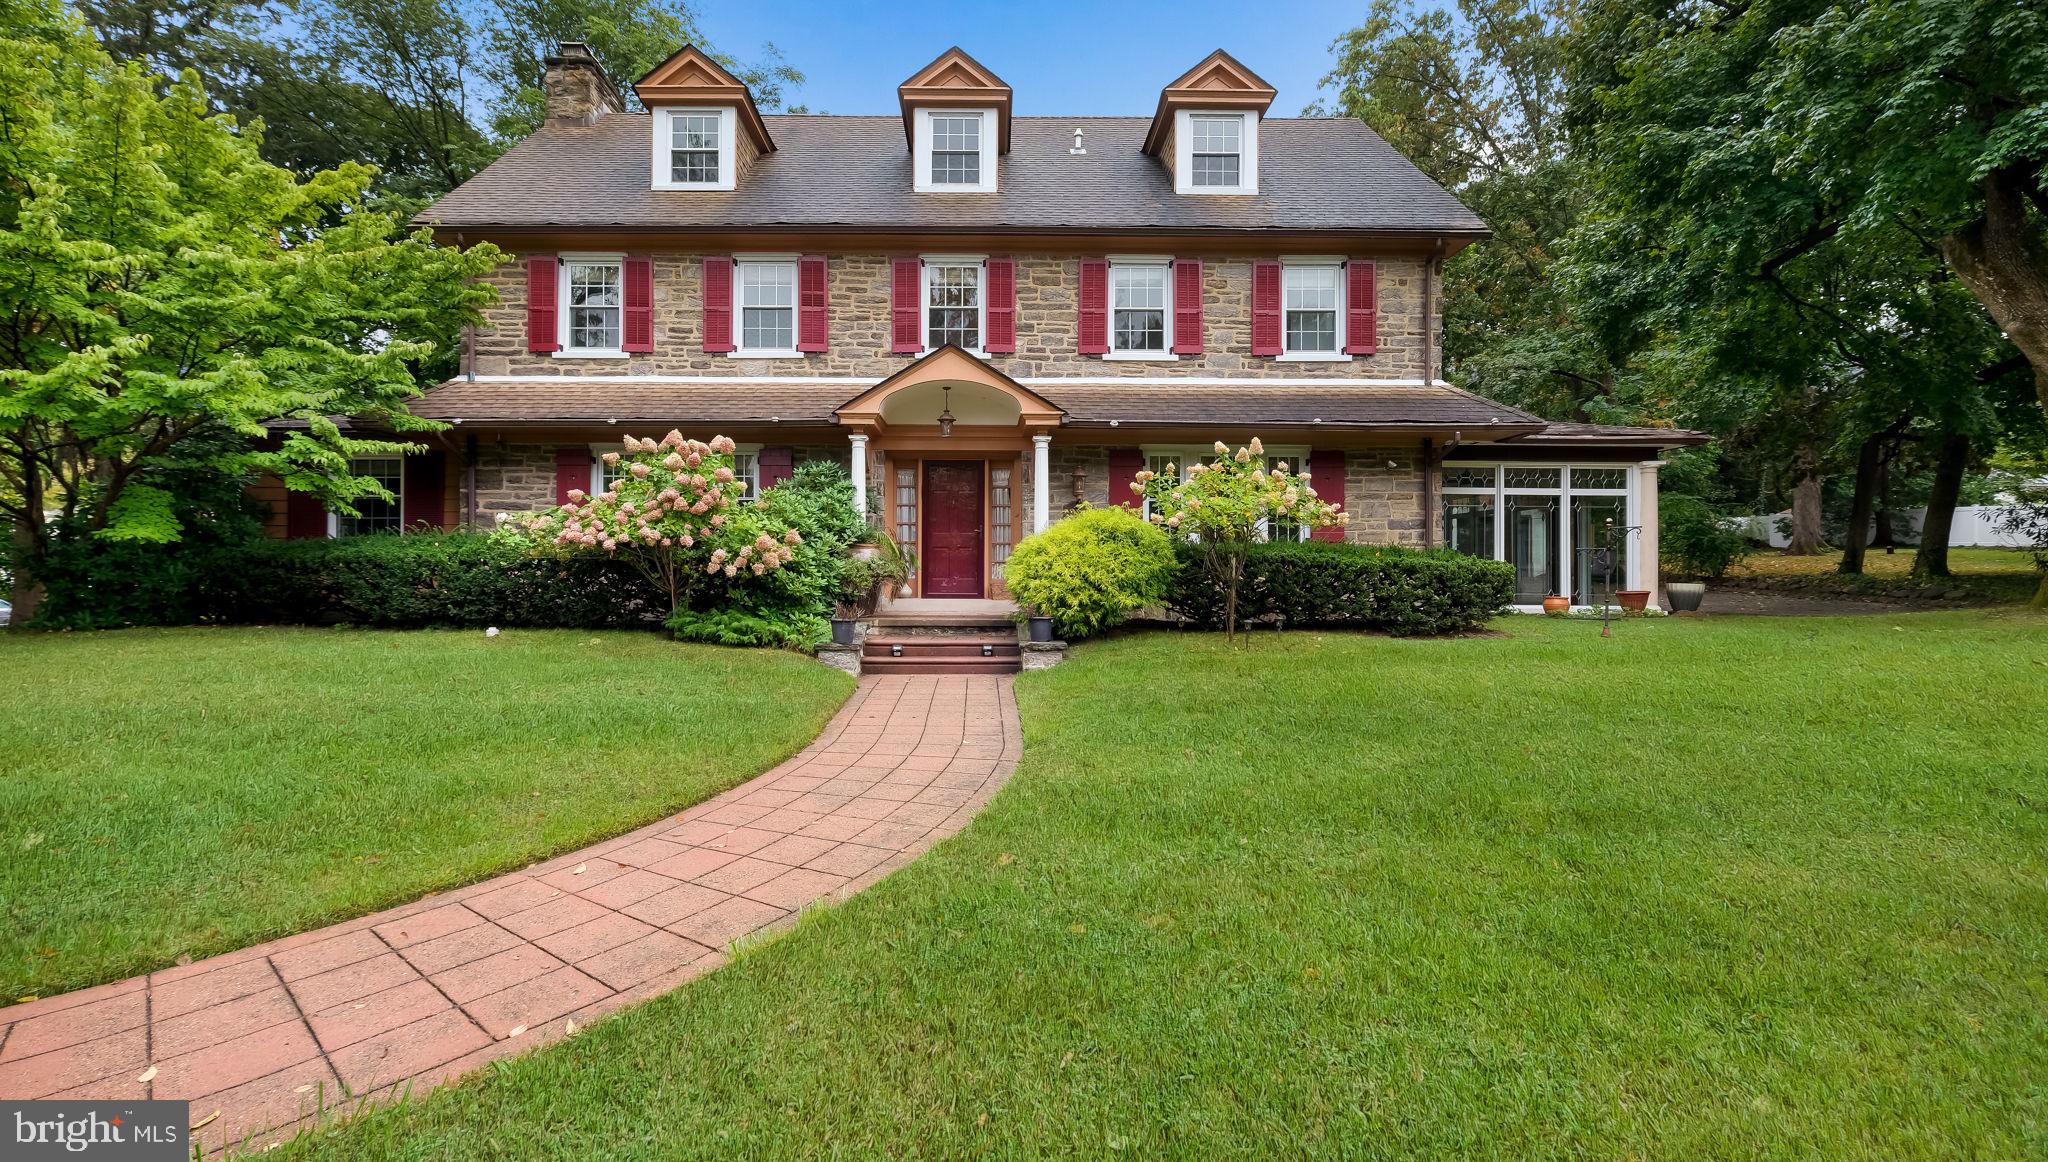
column 1647, row 549
column 860, row 472
column 1041, row 483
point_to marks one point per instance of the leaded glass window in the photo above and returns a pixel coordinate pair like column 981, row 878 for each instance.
column 1469, row 477
column 1537, row 478
column 1587, row 479
column 1310, row 295
column 1217, row 152
column 906, row 505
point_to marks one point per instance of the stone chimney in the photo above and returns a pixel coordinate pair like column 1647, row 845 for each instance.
column 577, row 89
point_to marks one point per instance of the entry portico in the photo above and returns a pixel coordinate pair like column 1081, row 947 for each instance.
column 942, row 445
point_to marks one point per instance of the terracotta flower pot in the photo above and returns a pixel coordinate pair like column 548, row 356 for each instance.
column 1634, row 600
column 1556, row 605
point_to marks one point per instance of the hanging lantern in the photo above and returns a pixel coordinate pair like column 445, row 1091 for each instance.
column 946, row 412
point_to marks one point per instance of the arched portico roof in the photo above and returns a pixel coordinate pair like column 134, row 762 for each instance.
column 950, row 365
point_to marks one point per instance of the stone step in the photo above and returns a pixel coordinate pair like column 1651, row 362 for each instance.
column 934, row 646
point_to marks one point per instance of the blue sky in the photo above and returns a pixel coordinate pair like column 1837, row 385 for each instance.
column 1060, row 57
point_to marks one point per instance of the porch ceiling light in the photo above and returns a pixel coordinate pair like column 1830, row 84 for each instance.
column 946, row 411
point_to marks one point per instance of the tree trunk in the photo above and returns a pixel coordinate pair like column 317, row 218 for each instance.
column 1932, row 559
column 1869, row 459
column 2005, row 264
column 1807, row 536
column 27, row 591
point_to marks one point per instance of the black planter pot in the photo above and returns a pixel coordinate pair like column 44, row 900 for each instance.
column 1685, row 596
column 1041, row 629
column 842, row 631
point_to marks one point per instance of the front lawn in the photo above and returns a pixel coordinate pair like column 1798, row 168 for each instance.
column 186, row 792
column 1709, row 888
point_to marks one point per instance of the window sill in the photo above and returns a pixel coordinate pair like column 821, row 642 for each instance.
column 977, row 352
column 1141, row 357
column 566, row 353
column 1313, row 357
column 764, row 354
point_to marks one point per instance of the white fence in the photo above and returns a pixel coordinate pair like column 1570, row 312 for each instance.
column 1975, row 527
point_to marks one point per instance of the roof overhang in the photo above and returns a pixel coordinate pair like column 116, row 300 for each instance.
column 691, row 77
column 956, row 80
column 1219, row 82
column 949, row 365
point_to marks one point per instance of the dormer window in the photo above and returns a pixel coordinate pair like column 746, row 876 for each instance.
column 955, row 151
column 1218, row 148
column 694, row 149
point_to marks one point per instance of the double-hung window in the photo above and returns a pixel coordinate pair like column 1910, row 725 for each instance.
column 953, row 303
column 765, row 304
column 593, row 301
column 956, row 149
column 1217, row 150
column 1312, row 309
column 694, row 149
column 1140, row 310
column 375, row 514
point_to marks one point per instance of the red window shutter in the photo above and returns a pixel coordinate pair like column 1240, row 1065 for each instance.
column 1265, row 308
column 1326, row 476
column 1094, row 306
column 543, row 291
column 776, row 465
column 718, row 304
column 304, row 517
column 906, row 334
column 572, row 470
column 1124, row 466
column 1362, row 308
column 1002, row 307
column 426, row 496
column 1187, row 306
column 639, row 311
column 812, row 328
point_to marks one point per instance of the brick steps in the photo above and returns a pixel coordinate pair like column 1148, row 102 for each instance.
column 934, row 649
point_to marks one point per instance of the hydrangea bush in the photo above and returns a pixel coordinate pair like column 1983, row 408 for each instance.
column 1228, row 503
column 674, row 514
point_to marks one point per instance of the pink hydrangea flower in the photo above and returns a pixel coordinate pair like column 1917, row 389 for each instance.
column 611, row 457
column 732, row 570
column 718, row 518
column 793, row 537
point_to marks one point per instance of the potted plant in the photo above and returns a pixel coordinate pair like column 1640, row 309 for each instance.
column 1041, row 626
column 843, row 622
column 895, row 561
column 1633, row 600
column 1557, row 605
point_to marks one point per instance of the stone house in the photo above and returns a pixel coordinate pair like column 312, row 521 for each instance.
column 991, row 319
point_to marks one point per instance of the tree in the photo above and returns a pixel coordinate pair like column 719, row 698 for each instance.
column 1228, row 503
column 673, row 514
column 162, row 287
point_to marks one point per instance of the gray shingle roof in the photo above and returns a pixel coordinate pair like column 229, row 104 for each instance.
column 1320, row 174
column 574, row 401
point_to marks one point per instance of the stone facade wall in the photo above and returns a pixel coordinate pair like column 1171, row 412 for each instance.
column 1047, row 304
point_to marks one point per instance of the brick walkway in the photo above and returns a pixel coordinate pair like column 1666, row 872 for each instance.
column 277, row 1035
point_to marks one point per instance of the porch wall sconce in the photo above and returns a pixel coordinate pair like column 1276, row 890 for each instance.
column 946, row 412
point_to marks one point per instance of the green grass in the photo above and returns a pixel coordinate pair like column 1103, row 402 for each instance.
column 1992, row 575
column 187, row 792
column 1709, row 888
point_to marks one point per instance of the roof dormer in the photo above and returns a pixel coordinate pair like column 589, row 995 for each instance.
column 956, row 114
column 707, row 130
column 1206, row 130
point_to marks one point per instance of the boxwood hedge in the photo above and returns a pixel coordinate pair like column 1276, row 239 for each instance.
column 1372, row 587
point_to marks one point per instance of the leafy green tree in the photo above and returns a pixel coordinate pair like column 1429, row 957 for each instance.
column 162, row 287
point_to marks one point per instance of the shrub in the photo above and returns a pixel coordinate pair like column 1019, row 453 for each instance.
column 1695, row 540
column 1374, row 587
column 1092, row 570
column 739, row 627
column 422, row 580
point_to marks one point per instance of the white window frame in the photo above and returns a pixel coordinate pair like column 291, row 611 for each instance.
column 924, row 298
column 752, row 466
column 335, row 519
column 1185, row 456
column 1128, row 262
column 921, row 173
column 562, row 329
column 739, row 319
column 1632, row 565
column 1184, row 154
column 1304, row 262
column 728, row 141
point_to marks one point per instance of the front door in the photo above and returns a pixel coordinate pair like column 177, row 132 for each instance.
column 952, row 528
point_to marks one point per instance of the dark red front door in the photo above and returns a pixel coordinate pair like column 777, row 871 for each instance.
column 952, row 528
